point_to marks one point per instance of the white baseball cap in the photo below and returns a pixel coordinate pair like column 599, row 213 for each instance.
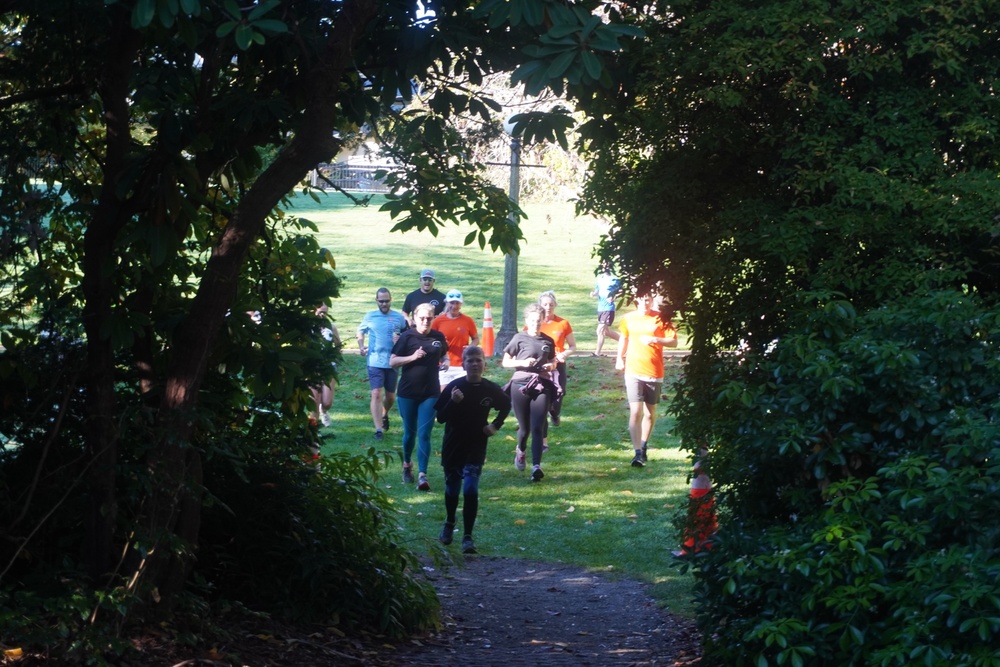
column 453, row 295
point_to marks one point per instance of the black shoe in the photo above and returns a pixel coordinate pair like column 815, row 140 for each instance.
column 446, row 534
column 637, row 461
column 378, row 435
column 556, row 420
column 408, row 474
column 468, row 546
column 537, row 474
column 644, row 459
column 385, row 423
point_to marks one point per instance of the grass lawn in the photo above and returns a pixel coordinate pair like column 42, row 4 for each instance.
column 592, row 509
column 555, row 255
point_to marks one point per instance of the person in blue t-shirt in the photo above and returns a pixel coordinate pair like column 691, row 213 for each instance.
column 605, row 290
column 382, row 326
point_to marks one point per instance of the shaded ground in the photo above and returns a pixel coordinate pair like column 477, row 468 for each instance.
column 511, row 612
column 496, row 612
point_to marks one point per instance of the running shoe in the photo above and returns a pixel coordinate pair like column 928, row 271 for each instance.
column 324, row 419
column 408, row 473
column 447, row 531
column 644, row 459
column 537, row 474
column 378, row 435
column 385, row 422
column 519, row 459
column 637, row 461
column 422, row 483
column 468, row 546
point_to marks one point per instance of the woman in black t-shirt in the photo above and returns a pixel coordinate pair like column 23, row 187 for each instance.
column 532, row 354
column 418, row 351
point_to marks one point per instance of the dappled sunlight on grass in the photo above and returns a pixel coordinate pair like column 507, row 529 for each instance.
column 592, row 508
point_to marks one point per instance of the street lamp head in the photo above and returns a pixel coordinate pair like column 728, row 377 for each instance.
column 509, row 124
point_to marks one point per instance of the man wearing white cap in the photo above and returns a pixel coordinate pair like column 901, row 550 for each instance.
column 459, row 330
column 426, row 294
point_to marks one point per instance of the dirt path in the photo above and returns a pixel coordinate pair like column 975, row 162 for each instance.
column 509, row 612
column 496, row 612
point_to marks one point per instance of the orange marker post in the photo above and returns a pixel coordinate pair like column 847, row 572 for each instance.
column 487, row 338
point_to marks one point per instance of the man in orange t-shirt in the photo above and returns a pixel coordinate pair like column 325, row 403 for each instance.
column 640, row 355
column 459, row 330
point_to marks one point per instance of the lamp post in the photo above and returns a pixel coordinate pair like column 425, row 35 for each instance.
column 508, row 322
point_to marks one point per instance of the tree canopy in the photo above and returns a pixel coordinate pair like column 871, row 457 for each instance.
column 814, row 186
column 146, row 147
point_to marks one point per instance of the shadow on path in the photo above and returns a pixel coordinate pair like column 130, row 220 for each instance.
column 510, row 612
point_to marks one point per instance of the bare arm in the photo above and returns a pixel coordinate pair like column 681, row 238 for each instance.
column 511, row 362
column 570, row 349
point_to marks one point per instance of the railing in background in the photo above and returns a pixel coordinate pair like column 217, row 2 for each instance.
column 350, row 177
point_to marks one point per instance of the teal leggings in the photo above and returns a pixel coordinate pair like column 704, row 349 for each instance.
column 418, row 419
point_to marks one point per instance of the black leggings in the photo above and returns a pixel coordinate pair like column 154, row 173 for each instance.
column 556, row 407
column 532, row 418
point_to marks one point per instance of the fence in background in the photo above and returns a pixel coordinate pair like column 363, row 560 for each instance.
column 350, row 177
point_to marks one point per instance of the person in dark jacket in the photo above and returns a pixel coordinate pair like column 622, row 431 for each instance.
column 464, row 408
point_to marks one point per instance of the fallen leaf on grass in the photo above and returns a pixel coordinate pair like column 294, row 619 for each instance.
column 494, row 498
column 520, row 522
column 570, row 509
column 626, row 492
column 600, row 416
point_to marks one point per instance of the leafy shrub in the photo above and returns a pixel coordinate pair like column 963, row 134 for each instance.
column 857, row 473
column 311, row 541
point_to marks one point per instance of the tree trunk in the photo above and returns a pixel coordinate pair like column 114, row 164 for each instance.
column 175, row 506
column 99, row 293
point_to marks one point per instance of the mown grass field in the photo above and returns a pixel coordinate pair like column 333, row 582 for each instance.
column 592, row 509
column 557, row 254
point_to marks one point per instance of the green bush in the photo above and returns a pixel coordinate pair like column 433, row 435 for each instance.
column 311, row 540
column 857, row 473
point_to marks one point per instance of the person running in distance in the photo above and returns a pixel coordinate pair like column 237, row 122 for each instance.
column 383, row 327
column 426, row 293
column 532, row 354
column 323, row 394
column 605, row 290
column 464, row 407
column 419, row 352
column 640, row 355
column 459, row 330
column 560, row 331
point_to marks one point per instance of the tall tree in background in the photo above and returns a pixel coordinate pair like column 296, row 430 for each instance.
column 145, row 146
column 815, row 186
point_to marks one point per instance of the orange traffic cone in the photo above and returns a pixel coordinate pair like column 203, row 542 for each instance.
column 702, row 522
column 487, row 339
